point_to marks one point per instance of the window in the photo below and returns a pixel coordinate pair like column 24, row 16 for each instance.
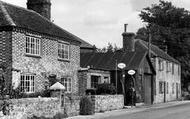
column 94, row 81
column 27, row 83
column 32, row 45
column 161, row 65
column 168, row 66
column 179, row 72
column 63, row 51
column 173, row 65
column 161, row 87
column 106, row 79
column 67, row 83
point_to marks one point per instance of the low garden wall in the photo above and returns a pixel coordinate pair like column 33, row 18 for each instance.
column 108, row 102
column 28, row 107
column 42, row 107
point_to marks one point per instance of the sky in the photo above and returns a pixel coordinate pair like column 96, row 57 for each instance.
column 99, row 22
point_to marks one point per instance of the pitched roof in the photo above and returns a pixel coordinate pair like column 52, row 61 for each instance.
column 107, row 61
column 143, row 45
column 11, row 15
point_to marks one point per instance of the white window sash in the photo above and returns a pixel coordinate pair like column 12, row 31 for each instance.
column 63, row 51
column 33, row 46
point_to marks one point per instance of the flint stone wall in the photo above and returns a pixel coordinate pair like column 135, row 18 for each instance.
column 108, row 102
column 27, row 107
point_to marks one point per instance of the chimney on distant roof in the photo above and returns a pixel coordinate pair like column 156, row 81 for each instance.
column 128, row 40
column 43, row 7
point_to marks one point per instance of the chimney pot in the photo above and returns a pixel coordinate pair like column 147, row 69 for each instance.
column 128, row 41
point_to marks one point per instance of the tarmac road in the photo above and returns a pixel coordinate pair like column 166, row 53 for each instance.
column 173, row 112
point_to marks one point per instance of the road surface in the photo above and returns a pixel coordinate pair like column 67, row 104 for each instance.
column 174, row 112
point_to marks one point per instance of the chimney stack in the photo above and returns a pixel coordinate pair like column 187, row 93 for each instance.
column 128, row 40
column 43, row 7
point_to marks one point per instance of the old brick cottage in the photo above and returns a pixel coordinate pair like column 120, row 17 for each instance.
column 37, row 48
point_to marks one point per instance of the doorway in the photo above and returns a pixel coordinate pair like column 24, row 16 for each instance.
column 148, row 89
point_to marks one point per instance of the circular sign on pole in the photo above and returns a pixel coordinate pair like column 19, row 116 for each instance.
column 131, row 72
column 121, row 65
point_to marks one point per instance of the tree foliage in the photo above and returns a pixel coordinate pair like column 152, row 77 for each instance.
column 108, row 48
column 169, row 27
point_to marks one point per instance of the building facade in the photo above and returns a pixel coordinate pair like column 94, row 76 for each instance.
column 35, row 49
column 168, row 80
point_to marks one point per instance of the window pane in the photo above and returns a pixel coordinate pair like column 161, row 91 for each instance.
column 32, row 45
column 27, row 83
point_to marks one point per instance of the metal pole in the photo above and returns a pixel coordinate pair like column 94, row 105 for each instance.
column 149, row 42
column 116, row 76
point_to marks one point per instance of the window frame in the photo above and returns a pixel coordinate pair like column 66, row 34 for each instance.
column 67, row 82
column 34, row 50
column 27, row 83
column 161, row 87
column 62, row 50
column 168, row 66
column 93, row 83
column 160, row 64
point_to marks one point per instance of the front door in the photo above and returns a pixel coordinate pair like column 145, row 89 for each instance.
column 177, row 91
column 148, row 89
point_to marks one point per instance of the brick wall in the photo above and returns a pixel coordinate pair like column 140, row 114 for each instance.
column 48, row 62
column 82, row 75
column 5, row 54
column 85, row 78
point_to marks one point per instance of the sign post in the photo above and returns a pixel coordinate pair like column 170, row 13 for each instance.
column 122, row 79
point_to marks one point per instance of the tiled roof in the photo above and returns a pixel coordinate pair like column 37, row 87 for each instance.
column 142, row 45
column 85, row 44
column 11, row 15
column 107, row 61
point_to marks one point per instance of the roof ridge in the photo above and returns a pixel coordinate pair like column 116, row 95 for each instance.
column 32, row 11
column 5, row 13
column 18, row 7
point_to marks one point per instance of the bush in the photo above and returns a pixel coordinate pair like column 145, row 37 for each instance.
column 86, row 106
column 91, row 91
column 17, row 94
column 105, row 88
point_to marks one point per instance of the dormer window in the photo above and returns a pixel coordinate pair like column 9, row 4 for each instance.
column 63, row 51
column 32, row 45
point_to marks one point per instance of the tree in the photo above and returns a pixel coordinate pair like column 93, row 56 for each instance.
column 108, row 48
column 170, row 29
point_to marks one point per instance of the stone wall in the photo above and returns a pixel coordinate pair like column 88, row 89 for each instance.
column 47, row 63
column 108, row 102
column 23, row 108
column 72, row 105
column 43, row 107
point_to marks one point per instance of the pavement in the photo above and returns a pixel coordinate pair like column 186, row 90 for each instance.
column 130, row 110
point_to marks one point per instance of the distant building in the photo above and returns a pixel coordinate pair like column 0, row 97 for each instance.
column 157, row 78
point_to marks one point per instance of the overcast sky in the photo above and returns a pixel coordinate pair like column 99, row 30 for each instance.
column 99, row 21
